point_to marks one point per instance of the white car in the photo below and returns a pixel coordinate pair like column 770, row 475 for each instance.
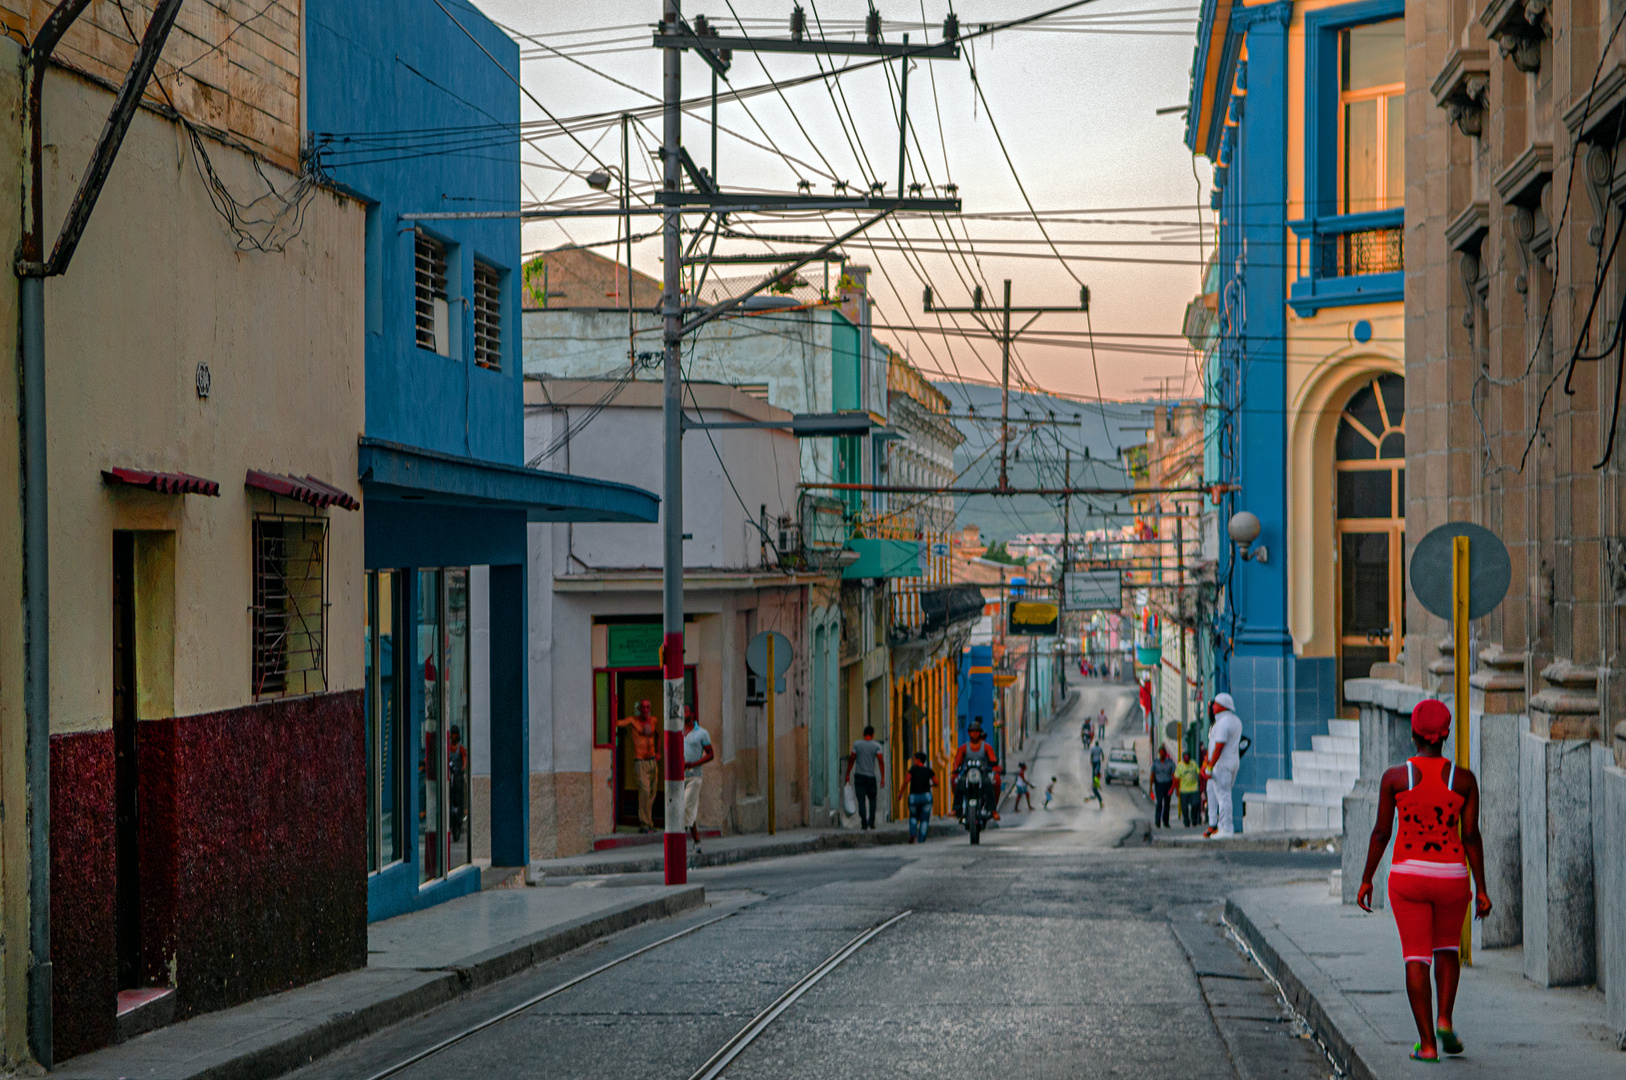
column 1122, row 765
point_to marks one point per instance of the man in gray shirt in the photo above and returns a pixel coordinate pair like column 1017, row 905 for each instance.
column 865, row 771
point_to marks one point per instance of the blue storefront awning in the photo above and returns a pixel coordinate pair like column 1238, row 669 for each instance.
column 883, row 559
column 394, row 471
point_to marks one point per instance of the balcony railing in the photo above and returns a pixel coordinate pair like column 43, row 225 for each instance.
column 1348, row 259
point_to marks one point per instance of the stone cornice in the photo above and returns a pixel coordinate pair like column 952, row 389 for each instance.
column 1517, row 27
column 1521, row 182
column 1468, row 230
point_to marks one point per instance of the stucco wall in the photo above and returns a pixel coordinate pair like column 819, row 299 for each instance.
column 155, row 289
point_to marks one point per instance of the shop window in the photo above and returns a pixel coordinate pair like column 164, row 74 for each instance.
column 290, row 606
column 487, row 317
column 443, row 743
column 432, row 308
column 385, row 720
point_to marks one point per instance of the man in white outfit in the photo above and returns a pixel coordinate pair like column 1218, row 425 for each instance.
column 1221, row 762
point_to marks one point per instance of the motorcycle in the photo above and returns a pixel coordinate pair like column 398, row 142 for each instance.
column 977, row 801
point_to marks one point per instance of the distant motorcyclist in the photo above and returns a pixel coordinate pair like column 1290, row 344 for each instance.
column 978, row 751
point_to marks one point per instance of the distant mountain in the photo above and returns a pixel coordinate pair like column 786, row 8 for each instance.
column 1095, row 433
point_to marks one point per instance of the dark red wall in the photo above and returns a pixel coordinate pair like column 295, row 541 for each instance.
column 253, row 859
column 83, row 957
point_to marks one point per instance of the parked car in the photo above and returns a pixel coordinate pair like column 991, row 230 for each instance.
column 1122, row 765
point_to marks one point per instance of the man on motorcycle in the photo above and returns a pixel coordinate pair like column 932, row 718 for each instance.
column 975, row 750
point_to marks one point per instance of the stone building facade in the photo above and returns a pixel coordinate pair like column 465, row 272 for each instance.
column 1515, row 296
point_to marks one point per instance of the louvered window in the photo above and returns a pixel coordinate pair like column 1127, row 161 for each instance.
column 290, row 606
column 432, row 311
column 487, row 317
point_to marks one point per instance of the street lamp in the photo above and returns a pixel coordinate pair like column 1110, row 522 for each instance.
column 1244, row 529
column 598, row 180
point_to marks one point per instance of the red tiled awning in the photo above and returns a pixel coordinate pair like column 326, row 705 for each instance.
column 306, row 490
column 170, row 483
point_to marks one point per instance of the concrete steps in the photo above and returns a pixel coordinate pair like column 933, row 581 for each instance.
column 1313, row 800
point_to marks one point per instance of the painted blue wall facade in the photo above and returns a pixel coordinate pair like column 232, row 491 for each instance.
column 408, row 111
column 976, row 696
column 1283, row 699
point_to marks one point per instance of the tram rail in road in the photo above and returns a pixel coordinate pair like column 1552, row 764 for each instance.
column 718, row 1062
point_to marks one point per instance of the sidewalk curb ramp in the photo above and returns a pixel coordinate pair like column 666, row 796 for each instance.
column 1347, row 1035
column 841, row 840
column 275, row 1035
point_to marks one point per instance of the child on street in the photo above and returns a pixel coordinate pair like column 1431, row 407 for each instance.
column 1049, row 792
column 1023, row 788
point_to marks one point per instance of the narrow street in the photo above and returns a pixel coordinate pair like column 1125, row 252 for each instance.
column 1046, row 952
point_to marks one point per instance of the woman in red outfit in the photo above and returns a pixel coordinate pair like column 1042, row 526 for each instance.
column 1438, row 806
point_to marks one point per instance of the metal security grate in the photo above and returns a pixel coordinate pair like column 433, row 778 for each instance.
column 430, row 285
column 487, row 317
column 1372, row 251
column 290, row 606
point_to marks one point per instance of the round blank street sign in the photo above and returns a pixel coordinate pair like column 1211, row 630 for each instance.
column 756, row 653
column 1489, row 569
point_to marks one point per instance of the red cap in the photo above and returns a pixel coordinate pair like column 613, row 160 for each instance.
column 1431, row 720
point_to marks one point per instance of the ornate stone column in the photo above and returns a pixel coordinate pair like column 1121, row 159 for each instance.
column 1496, row 719
column 1555, row 809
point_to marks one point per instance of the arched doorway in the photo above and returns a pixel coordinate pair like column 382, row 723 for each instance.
column 1370, row 526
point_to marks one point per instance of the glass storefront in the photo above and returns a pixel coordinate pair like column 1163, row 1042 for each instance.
column 443, row 746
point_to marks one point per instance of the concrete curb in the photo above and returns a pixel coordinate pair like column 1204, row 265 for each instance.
column 1250, row 842
column 1352, row 1041
column 386, row 997
column 802, row 845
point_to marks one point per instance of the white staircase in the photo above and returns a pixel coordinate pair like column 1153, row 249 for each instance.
column 1313, row 801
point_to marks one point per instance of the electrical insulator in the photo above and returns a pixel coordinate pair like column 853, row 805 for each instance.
column 928, row 298
column 951, row 27
column 872, row 27
column 976, row 297
column 702, row 27
column 798, row 23
column 1084, row 297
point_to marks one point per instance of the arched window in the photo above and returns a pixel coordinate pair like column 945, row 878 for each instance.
column 1370, row 526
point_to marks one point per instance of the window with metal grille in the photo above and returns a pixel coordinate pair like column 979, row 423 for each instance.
column 431, row 308
column 487, row 317
column 290, row 606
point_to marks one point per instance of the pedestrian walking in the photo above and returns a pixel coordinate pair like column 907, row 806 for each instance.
column 1224, row 757
column 1190, row 789
column 1049, row 792
column 866, row 770
column 1095, row 761
column 644, row 732
column 1022, row 787
column 1162, row 787
column 697, row 751
column 922, row 778
column 1095, row 792
column 1438, row 807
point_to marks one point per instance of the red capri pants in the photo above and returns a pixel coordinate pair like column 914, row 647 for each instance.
column 1429, row 911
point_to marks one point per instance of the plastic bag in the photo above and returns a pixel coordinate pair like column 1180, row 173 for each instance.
column 849, row 799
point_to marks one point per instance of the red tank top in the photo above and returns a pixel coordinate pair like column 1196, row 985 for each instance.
column 1430, row 840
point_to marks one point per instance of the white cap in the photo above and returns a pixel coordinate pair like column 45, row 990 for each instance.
column 1225, row 701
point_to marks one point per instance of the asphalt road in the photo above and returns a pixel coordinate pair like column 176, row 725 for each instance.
column 1049, row 951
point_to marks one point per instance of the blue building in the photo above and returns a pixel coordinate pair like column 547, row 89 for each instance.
column 1300, row 111
column 414, row 108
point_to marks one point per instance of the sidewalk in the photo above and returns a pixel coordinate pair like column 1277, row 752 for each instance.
column 648, row 859
column 1341, row 969
column 416, row 962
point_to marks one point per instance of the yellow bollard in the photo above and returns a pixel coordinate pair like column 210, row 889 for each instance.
column 1459, row 634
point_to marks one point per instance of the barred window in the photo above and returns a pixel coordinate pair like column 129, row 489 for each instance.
column 487, row 317
column 290, row 606
column 431, row 308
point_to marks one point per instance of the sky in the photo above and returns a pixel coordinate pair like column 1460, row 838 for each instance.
column 1076, row 104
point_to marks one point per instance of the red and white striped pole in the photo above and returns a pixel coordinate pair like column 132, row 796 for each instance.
column 677, row 862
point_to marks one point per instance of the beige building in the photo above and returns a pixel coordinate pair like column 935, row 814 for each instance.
column 203, row 403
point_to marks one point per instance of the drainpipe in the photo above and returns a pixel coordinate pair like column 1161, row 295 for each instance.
column 32, row 268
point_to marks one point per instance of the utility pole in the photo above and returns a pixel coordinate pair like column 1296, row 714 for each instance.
column 1002, row 333
column 1066, row 554
column 676, row 854
column 1180, row 608
column 672, row 37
